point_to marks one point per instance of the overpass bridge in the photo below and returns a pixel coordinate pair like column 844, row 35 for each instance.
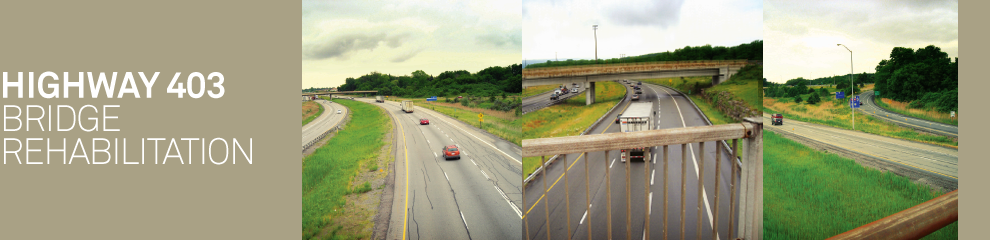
column 719, row 70
column 305, row 96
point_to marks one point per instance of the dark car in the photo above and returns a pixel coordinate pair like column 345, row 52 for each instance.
column 424, row 121
column 635, row 97
column 777, row 119
column 451, row 151
column 639, row 83
column 617, row 118
column 639, row 91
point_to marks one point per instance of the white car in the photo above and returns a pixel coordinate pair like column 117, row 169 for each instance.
column 338, row 111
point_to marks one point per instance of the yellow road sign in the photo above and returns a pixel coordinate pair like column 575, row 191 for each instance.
column 481, row 115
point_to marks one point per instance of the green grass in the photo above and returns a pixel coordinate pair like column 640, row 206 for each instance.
column 810, row 194
column 314, row 116
column 745, row 86
column 717, row 117
column 504, row 124
column 327, row 173
column 534, row 90
column 569, row 118
column 836, row 113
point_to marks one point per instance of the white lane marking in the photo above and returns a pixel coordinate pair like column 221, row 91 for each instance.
column 585, row 215
column 653, row 176
column 427, row 140
column 472, row 161
column 486, row 175
column 649, row 207
column 476, row 137
column 435, row 154
column 445, row 176
column 465, row 220
column 506, row 198
column 613, row 163
column 704, row 194
column 451, row 139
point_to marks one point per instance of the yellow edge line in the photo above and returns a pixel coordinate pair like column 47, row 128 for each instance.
column 886, row 159
column 569, row 167
column 405, row 215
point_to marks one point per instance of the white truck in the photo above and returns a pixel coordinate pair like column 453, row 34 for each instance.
column 380, row 99
column 407, row 106
column 636, row 118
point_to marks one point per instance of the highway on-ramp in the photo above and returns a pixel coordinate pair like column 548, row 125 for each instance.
column 937, row 162
column 324, row 122
column 674, row 111
column 543, row 100
column 870, row 107
column 475, row 197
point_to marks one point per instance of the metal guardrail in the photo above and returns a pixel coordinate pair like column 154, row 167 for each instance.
column 750, row 200
column 331, row 130
column 546, row 72
column 914, row 223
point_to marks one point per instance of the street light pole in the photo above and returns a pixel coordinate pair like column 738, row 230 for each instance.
column 852, row 81
column 595, row 27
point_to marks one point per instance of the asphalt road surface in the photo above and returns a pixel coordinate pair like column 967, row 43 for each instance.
column 324, row 122
column 543, row 100
column 938, row 161
column 674, row 111
column 868, row 106
column 475, row 197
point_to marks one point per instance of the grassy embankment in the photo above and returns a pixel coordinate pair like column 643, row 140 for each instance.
column 569, row 118
column 505, row 125
column 310, row 111
column 327, row 174
column 815, row 195
column 534, row 90
column 835, row 113
column 926, row 114
column 713, row 114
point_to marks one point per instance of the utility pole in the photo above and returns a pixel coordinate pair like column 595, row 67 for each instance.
column 595, row 27
column 852, row 82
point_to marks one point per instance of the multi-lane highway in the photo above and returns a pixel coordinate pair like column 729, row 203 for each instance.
column 672, row 111
column 870, row 107
column 543, row 100
column 475, row 197
column 324, row 122
column 939, row 163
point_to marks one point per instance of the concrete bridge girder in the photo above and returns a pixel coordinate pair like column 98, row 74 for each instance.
column 718, row 75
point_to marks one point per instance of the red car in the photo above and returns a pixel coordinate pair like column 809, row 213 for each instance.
column 451, row 152
column 424, row 121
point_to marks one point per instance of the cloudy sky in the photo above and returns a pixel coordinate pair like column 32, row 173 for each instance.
column 342, row 39
column 801, row 36
column 635, row 27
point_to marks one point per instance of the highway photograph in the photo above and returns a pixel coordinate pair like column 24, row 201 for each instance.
column 636, row 126
column 411, row 120
column 863, row 140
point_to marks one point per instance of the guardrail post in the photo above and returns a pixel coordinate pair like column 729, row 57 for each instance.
column 751, row 206
column 587, row 192
column 683, row 185
column 665, row 175
column 628, row 202
column 608, row 196
column 701, row 184
column 567, row 197
column 718, row 172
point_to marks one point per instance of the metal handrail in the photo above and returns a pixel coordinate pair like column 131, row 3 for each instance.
column 913, row 223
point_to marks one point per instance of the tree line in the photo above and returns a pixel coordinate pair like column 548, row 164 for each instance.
column 926, row 77
column 491, row 81
column 747, row 51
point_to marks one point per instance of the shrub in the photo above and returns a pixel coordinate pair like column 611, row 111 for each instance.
column 797, row 99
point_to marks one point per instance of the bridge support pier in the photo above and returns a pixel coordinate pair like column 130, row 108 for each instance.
column 590, row 95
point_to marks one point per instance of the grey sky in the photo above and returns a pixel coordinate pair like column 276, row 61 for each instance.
column 801, row 36
column 342, row 39
column 635, row 27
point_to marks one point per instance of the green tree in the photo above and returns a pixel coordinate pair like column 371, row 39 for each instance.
column 814, row 98
column 797, row 99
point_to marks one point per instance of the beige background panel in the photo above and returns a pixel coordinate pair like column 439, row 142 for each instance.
column 254, row 45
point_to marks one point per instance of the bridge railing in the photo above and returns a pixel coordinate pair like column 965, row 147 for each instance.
column 914, row 223
column 750, row 196
column 562, row 71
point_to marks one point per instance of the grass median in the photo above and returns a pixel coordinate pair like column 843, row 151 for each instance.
column 310, row 111
column 815, row 195
column 926, row 114
column 569, row 118
column 835, row 113
column 500, row 123
column 328, row 172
